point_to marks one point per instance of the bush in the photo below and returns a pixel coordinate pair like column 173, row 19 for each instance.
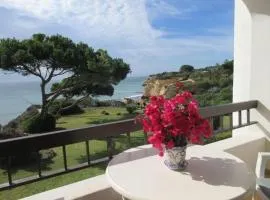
column 13, row 128
column 204, row 85
column 57, row 105
column 28, row 158
column 39, row 124
column 118, row 113
column 106, row 103
column 226, row 93
column 225, row 82
column 131, row 108
column 104, row 112
column 11, row 134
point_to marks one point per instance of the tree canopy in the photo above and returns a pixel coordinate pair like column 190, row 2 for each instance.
column 87, row 72
column 186, row 68
column 228, row 65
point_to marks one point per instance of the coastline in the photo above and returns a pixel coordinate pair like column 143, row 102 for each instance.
column 20, row 95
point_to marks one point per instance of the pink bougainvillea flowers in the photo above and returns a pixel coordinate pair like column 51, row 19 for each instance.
column 174, row 122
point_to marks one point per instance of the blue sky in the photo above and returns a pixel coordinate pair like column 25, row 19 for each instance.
column 151, row 35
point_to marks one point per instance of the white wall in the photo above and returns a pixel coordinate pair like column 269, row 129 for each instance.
column 252, row 56
column 242, row 51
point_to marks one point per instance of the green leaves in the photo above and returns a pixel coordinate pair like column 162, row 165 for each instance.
column 186, row 68
column 87, row 72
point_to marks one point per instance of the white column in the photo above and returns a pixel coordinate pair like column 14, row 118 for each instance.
column 252, row 56
column 242, row 52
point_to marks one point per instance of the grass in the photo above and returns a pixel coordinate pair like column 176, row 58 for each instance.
column 76, row 153
column 93, row 116
column 33, row 188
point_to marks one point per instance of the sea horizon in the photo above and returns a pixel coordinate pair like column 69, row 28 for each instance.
column 17, row 96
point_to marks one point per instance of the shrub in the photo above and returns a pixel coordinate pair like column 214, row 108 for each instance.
column 131, row 108
column 225, row 82
column 204, row 85
column 39, row 124
column 11, row 134
column 104, row 112
column 226, row 93
column 57, row 105
column 13, row 128
column 27, row 158
column 118, row 113
column 113, row 103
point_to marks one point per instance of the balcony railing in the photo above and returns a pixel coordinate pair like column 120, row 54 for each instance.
column 108, row 132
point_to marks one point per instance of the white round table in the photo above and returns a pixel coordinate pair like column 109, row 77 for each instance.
column 140, row 174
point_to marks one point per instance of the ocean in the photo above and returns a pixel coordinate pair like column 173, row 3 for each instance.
column 17, row 96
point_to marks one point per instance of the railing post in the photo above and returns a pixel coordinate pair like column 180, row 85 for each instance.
column 211, row 121
column 231, row 120
column 10, row 148
column 87, row 151
column 248, row 116
column 145, row 138
column 128, row 140
column 65, row 157
column 221, row 122
column 110, row 147
column 239, row 118
column 39, row 164
column 9, row 171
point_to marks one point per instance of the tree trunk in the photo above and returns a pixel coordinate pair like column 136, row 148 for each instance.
column 44, row 99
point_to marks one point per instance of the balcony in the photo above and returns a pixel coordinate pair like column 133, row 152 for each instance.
column 248, row 121
column 236, row 117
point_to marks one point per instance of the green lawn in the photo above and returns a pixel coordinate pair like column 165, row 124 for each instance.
column 41, row 186
column 76, row 153
column 93, row 116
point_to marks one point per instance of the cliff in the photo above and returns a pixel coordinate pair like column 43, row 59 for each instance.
column 210, row 85
column 160, row 86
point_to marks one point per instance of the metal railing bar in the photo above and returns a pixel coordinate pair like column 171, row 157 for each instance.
column 145, row 138
column 58, row 172
column 248, row 116
column 47, row 175
column 231, row 120
column 110, row 147
column 65, row 137
column 9, row 172
column 39, row 165
column 239, row 117
column 224, row 109
column 128, row 139
column 87, row 151
column 64, row 157
column 211, row 120
column 11, row 147
column 234, row 127
column 221, row 120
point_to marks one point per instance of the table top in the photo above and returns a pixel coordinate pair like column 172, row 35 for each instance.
column 140, row 174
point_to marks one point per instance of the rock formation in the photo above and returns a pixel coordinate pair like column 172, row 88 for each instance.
column 156, row 86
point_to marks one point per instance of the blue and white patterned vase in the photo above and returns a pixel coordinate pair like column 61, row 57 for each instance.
column 175, row 158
